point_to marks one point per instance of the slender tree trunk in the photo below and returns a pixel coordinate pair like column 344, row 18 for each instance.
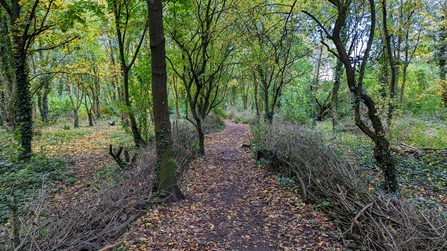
column 74, row 106
column 442, row 58
column 314, row 87
column 42, row 103
column 178, row 115
column 404, row 83
column 75, row 119
column 268, row 114
column 137, row 138
column 256, row 97
column 335, row 89
column 166, row 165
column 382, row 152
column 391, row 62
column 121, row 9
column 201, row 135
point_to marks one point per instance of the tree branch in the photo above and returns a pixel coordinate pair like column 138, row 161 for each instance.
column 6, row 7
column 319, row 23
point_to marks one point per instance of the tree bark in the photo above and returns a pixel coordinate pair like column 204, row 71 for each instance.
column 23, row 101
column 7, row 78
column 126, row 66
column 442, row 58
column 42, row 101
column 166, row 165
column 391, row 63
column 335, row 89
column 382, row 151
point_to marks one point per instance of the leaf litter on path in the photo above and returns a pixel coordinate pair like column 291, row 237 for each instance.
column 232, row 205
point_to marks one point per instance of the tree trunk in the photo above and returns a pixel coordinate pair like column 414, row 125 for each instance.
column 382, row 151
column 126, row 66
column 178, row 115
column 391, row 63
column 166, row 165
column 335, row 89
column 7, row 79
column 75, row 119
column 442, row 58
column 201, row 134
column 42, row 103
column 74, row 106
column 404, row 83
column 91, row 118
column 137, row 138
column 315, row 86
column 23, row 101
column 256, row 96
column 268, row 115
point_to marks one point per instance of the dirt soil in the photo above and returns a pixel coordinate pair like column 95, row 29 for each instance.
column 232, row 205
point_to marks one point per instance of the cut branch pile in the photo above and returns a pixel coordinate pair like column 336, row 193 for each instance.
column 96, row 218
column 94, row 221
column 372, row 219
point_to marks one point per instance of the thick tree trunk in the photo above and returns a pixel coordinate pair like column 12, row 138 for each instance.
column 7, row 78
column 166, row 165
column 23, row 101
column 91, row 118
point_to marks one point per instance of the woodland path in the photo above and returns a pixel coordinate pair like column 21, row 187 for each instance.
column 232, row 205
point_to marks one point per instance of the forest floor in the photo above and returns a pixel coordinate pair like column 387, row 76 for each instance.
column 232, row 205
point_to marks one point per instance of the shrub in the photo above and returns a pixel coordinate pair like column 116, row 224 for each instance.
column 245, row 116
column 213, row 123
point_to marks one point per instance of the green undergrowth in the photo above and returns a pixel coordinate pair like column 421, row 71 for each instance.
column 422, row 174
column 422, row 132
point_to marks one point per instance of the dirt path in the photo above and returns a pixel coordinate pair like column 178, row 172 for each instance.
column 232, row 205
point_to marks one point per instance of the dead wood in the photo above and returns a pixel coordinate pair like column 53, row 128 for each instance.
column 374, row 220
column 125, row 164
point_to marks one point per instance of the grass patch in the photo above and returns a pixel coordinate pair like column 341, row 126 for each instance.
column 420, row 132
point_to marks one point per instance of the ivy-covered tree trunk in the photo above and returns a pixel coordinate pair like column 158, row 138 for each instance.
column 166, row 165
column 442, row 58
column 23, row 101
column 335, row 88
column 42, row 102
column 7, row 78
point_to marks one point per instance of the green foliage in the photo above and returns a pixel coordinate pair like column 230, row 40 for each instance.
column 430, row 173
column 59, row 107
column 420, row 132
column 24, row 180
column 75, row 13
